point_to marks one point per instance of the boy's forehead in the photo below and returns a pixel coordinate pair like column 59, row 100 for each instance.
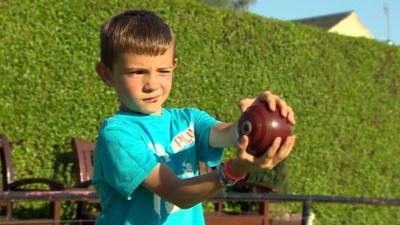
column 134, row 59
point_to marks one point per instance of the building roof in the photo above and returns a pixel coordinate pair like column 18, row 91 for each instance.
column 326, row 21
column 344, row 23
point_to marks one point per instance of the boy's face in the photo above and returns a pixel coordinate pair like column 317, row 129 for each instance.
column 142, row 83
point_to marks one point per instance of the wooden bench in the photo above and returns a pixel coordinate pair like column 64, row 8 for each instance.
column 83, row 170
column 10, row 184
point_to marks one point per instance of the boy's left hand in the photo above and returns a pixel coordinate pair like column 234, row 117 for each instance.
column 273, row 101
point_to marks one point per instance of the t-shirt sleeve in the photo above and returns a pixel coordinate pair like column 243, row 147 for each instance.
column 203, row 123
column 125, row 159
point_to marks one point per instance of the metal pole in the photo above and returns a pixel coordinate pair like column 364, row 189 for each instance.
column 306, row 212
column 386, row 12
column 256, row 197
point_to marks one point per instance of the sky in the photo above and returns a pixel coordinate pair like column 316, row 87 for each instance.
column 370, row 12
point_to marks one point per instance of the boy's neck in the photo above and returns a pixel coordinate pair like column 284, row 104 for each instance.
column 123, row 108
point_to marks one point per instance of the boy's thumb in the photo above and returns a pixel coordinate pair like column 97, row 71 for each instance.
column 243, row 142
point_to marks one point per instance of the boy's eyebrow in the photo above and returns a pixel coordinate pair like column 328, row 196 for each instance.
column 134, row 67
column 166, row 67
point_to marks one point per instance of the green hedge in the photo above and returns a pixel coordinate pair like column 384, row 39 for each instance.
column 345, row 91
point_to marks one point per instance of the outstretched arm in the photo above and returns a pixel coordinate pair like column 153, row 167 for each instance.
column 187, row 192
column 184, row 193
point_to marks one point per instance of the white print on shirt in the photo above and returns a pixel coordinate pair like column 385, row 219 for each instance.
column 169, row 207
column 159, row 151
column 151, row 147
column 157, row 204
column 183, row 139
column 187, row 170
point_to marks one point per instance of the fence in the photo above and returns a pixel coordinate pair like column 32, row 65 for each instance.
column 307, row 200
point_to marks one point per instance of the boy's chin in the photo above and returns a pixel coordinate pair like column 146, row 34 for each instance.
column 147, row 111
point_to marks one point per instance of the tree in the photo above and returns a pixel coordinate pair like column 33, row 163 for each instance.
column 232, row 4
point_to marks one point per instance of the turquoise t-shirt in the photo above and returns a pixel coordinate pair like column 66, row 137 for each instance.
column 130, row 145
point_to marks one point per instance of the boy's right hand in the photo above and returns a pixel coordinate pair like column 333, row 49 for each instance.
column 245, row 162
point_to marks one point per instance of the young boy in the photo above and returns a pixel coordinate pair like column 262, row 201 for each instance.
column 146, row 158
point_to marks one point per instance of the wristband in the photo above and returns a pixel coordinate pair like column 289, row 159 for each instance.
column 223, row 177
column 229, row 174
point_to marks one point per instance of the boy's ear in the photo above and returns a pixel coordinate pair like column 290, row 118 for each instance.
column 175, row 62
column 104, row 73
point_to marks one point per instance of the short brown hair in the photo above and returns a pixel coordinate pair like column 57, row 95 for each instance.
column 137, row 31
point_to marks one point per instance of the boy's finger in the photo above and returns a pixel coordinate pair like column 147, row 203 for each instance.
column 286, row 148
column 284, row 108
column 243, row 142
column 245, row 103
column 242, row 149
column 271, row 151
column 268, row 98
column 286, row 111
column 291, row 118
column 271, row 102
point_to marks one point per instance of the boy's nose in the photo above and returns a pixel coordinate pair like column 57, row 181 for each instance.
column 151, row 83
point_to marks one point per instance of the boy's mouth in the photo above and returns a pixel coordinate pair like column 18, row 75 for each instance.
column 151, row 99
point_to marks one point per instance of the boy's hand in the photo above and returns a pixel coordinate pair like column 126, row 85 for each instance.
column 245, row 162
column 273, row 101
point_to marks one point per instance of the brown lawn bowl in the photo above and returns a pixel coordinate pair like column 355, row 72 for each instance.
column 262, row 126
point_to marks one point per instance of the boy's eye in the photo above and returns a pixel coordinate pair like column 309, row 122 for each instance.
column 137, row 72
column 165, row 71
